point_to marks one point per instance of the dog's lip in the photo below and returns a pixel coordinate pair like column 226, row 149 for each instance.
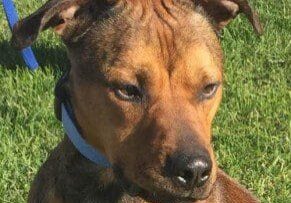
column 135, row 190
column 126, row 185
column 130, row 188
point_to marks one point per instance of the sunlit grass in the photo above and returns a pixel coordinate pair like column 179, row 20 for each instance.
column 252, row 129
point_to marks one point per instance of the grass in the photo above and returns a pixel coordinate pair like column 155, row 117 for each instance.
column 252, row 128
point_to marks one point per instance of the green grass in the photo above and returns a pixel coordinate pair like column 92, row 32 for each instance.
column 252, row 129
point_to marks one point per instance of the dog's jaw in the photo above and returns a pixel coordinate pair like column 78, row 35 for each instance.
column 157, row 194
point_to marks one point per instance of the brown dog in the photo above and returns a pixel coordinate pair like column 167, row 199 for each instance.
column 145, row 83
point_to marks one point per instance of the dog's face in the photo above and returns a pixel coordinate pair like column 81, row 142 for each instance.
column 150, row 95
column 145, row 84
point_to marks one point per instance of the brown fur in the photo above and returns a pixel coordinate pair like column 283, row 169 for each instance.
column 170, row 51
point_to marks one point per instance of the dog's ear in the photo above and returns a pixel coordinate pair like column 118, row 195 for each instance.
column 223, row 11
column 62, row 15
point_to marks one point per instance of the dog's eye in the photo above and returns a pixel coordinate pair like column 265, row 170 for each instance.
column 209, row 90
column 128, row 93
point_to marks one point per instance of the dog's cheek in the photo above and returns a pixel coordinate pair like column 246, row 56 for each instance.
column 141, row 161
column 129, row 112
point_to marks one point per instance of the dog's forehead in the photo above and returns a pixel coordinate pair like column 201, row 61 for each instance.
column 142, row 34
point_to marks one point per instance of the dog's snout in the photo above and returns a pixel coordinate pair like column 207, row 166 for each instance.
column 189, row 170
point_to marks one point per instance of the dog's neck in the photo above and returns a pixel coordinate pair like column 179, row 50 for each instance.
column 70, row 177
column 78, row 179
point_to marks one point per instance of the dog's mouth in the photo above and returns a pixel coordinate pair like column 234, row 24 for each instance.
column 161, row 195
column 136, row 191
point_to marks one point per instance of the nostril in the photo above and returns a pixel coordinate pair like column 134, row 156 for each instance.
column 189, row 171
column 203, row 167
column 185, row 177
column 188, row 175
column 205, row 175
column 203, row 178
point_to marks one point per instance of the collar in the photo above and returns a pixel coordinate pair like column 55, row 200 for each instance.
column 66, row 112
column 12, row 18
column 80, row 144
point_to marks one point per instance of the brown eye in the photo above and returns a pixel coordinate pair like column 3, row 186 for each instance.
column 128, row 93
column 209, row 90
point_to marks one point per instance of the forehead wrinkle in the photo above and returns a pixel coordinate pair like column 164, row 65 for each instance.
column 113, row 37
column 164, row 17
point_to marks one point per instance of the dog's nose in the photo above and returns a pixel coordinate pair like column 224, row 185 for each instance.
column 189, row 171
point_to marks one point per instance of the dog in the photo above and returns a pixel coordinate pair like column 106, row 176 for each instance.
column 145, row 83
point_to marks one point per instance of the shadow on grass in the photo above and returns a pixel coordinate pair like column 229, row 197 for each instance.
column 46, row 56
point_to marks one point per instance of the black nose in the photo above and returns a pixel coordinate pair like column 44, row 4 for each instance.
column 189, row 171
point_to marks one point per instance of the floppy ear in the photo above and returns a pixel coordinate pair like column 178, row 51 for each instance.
column 61, row 15
column 223, row 11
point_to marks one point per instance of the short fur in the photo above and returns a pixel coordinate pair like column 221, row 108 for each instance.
column 169, row 52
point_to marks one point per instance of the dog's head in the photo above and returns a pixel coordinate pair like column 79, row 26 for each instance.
column 145, row 83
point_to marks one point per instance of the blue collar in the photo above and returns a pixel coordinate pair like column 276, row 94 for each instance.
column 81, row 145
column 85, row 149
column 12, row 18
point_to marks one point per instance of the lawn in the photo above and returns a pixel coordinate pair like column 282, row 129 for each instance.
column 251, row 131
